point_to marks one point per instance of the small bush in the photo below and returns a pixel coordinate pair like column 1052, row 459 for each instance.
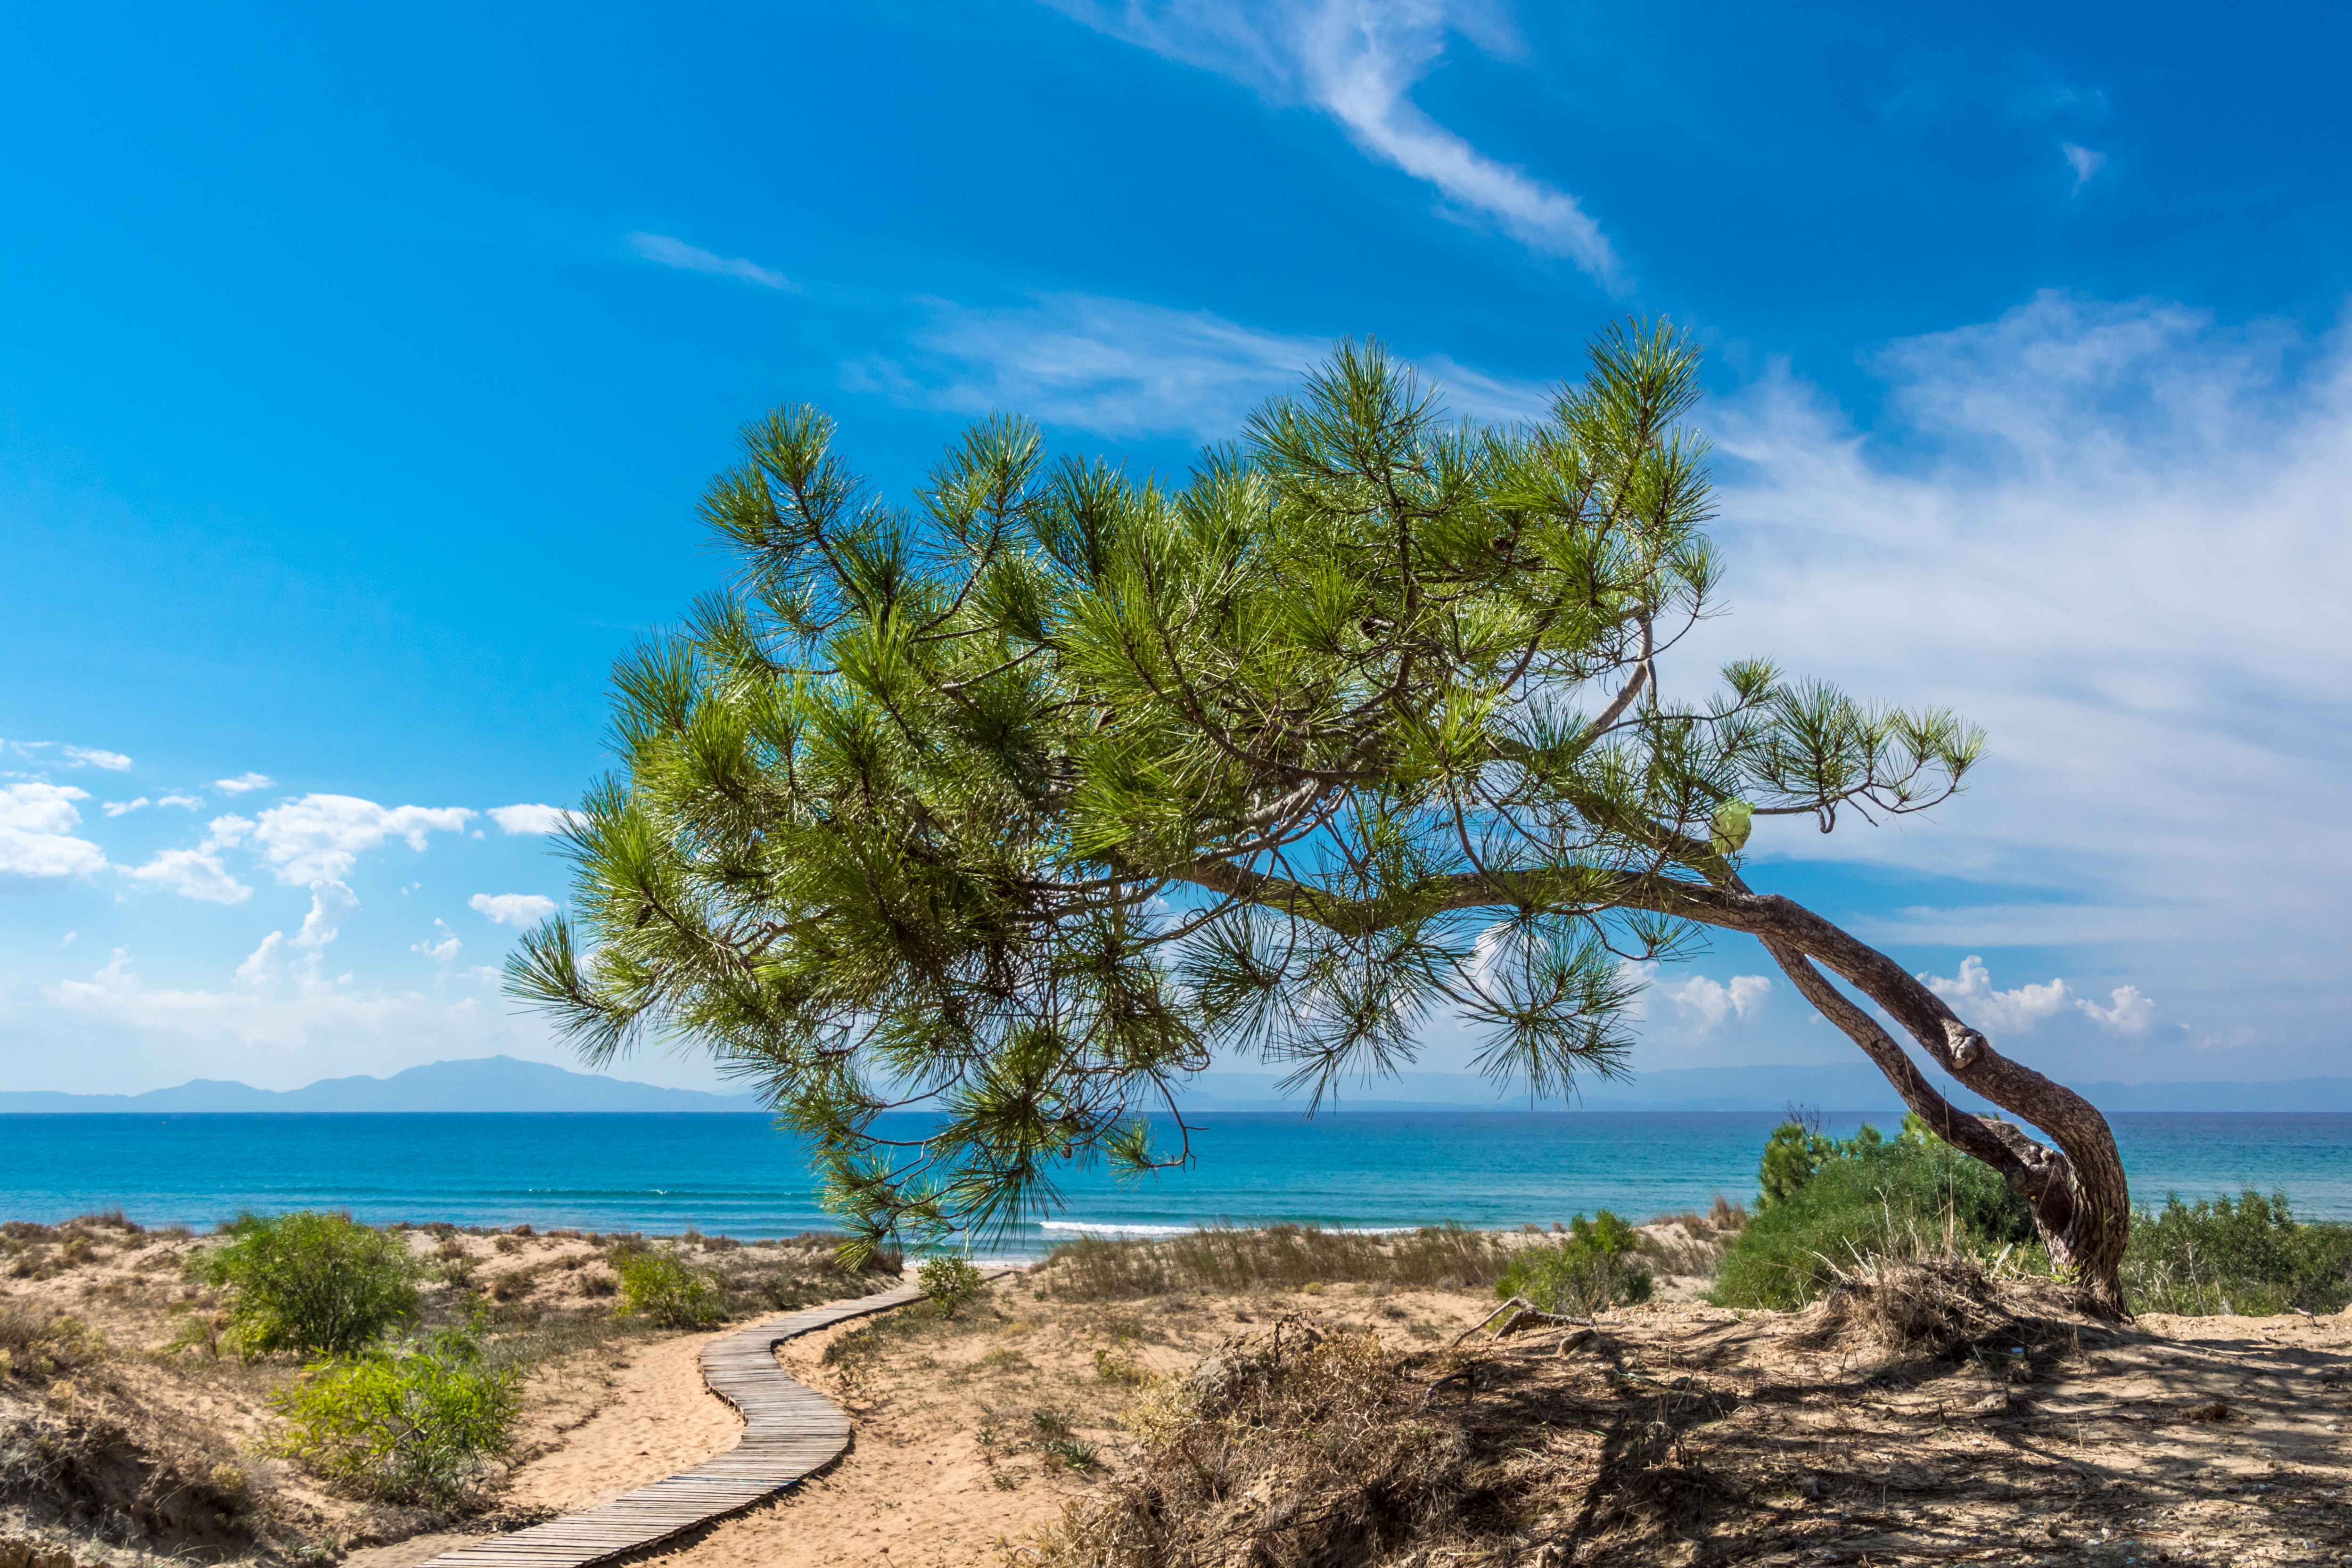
column 2251, row 1256
column 38, row 1344
column 1072, row 1453
column 418, row 1425
column 1598, row 1266
column 1868, row 1195
column 948, row 1282
column 314, row 1283
column 657, row 1286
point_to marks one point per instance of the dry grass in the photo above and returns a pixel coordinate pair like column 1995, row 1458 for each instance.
column 1288, row 1446
column 1925, row 1409
column 1226, row 1259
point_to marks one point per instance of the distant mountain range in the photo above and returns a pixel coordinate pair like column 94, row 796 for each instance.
column 503, row 1083
column 484, row 1083
column 1839, row 1086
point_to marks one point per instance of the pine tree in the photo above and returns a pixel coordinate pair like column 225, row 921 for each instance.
column 1018, row 804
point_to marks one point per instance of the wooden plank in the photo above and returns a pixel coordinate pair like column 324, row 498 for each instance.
column 790, row 1432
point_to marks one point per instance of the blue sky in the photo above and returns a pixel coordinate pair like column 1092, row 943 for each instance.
column 359, row 372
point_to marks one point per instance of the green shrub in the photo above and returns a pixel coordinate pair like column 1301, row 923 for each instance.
column 312, row 1282
column 1597, row 1267
column 1824, row 1205
column 659, row 1287
column 2251, row 1256
column 948, row 1282
column 421, row 1424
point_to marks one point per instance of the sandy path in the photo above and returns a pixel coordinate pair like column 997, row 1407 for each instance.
column 654, row 1419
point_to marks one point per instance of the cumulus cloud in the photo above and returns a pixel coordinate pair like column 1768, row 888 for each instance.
column 514, row 820
column 1972, row 996
column 243, row 782
column 36, row 840
column 515, row 909
column 195, row 873
column 330, row 903
column 2115, row 534
column 441, row 950
column 90, row 756
column 2129, row 1012
column 1711, row 1002
column 320, row 838
column 1357, row 61
column 676, row 252
column 1124, row 367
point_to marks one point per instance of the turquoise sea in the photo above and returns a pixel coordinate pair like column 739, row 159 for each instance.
column 737, row 1175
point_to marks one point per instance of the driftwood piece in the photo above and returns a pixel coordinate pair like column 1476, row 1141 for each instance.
column 1526, row 1317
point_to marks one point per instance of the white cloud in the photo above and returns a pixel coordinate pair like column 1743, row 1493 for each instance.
column 36, row 838
column 2084, row 161
column 2131, row 1013
column 530, row 818
column 260, row 965
column 123, row 808
column 1711, row 1002
column 1124, row 367
column 440, row 951
column 330, row 902
column 320, row 838
column 1357, row 60
column 2116, row 535
column 515, row 909
column 195, row 873
column 1997, row 1012
column 676, row 252
column 82, row 756
column 269, row 1007
column 243, row 782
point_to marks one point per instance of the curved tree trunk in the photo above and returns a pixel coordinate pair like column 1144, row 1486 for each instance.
column 2078, row 1191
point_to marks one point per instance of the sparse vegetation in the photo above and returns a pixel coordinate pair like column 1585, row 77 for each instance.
column 319, row 1283
column 419, row 1424
column 37, row 1344
column 1279, row 1257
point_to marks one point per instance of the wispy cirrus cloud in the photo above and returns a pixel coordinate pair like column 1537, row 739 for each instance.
column 2115, row 534
column 59, row 753
column 1122, row 367
column 672, row 252
column 1357, row 60
column 2085, row 162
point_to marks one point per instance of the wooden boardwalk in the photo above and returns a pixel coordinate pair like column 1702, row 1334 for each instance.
column 790, row 1432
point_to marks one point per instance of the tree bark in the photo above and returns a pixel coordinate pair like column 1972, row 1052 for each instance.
column 2081, row 1202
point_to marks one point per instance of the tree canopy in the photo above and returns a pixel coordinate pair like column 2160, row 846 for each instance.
column 1018, row 803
